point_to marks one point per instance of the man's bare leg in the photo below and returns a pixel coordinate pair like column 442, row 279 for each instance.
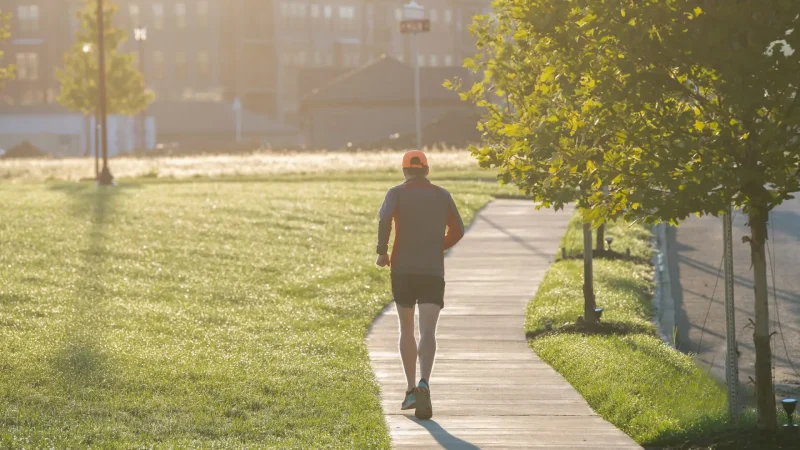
column 428, row 319
column 408, row 344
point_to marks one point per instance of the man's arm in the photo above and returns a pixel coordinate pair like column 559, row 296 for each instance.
column 455, row 226
column 385, row 215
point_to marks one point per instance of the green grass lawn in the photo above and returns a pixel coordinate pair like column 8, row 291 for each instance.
column 633, row 379
column 217, row 313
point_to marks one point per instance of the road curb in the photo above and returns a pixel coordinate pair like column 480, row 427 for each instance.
column 663, row 302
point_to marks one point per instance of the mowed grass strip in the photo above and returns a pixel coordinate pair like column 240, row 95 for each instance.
column 193, row 314
column 631, row 378
column 265, row 163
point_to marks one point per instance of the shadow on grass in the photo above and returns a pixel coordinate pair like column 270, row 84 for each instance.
column 744, row 437
column 602, row 328
column 608, row 255
column 79, row 357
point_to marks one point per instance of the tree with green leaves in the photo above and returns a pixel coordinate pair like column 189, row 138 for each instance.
column 678, row 107
column 8, row 71
column 127, row 93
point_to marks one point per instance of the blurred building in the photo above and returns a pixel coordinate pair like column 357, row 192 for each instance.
column 201, row 55
column 357, row 110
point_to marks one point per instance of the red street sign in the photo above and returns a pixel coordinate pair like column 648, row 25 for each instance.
column 415, row 26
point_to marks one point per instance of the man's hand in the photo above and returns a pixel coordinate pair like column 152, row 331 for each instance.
column 382, row 261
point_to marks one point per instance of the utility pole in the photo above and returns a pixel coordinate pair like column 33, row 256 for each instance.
column 87, row 123
column 87, row 49
column 731, row 358
column 105, row 178
column 414, row 22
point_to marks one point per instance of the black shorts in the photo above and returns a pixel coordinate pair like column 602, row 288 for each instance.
column 410, row 289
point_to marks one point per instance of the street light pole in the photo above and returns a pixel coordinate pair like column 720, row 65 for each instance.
column 140, row 33
column 87, row 126
column 105, row 178
column 417, row 107
column 413, row 23
column 87, row 48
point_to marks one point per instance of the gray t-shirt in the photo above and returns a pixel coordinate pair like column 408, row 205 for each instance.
column 426, row 223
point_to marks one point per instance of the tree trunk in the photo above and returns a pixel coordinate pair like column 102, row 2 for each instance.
column 588, row 276
column 765, row 396
column 600, row 246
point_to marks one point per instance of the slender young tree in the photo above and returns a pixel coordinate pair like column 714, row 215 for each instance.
column 679, row 107
column 127, row 94
column 6, row 72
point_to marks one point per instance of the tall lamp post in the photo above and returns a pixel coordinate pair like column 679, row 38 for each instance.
column 87, row 48
column 105, row 178
column 140, row 33
column 414, row 22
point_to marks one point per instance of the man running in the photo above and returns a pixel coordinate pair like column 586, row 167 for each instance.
column 422, row 212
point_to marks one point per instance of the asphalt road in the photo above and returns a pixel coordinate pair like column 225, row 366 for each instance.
column 698, row 289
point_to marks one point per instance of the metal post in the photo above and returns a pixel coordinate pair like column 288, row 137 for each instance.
column 143, row 114
column 96, row 145
column 87, row 124
column 416, row 90
column 589, row 303
column 105, row 178
column 731, row 363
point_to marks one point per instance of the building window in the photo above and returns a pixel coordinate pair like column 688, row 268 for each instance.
column 27, row 66
column 181, row 69
column 299, row 58
column 294, row 13
column 318, row 59
column 202, row 14
column 448, row 16
column 347, row 12
column 28, row 16
column 158, row 16
column 315, row 11
column 328, row 11
column 433, row 16
column 158, row 65
column 448, row 60
column 203, row 66
column 347, row 18
column 180, row 15
column 329, row 59
column 420, row 60
column 32, row 97
column 398, row 14
column 135, row 14
column 434, row 60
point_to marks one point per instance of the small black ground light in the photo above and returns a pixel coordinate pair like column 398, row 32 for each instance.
column 789, row 405
column 610, row 240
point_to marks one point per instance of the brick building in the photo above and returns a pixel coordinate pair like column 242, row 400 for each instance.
column 267, row 53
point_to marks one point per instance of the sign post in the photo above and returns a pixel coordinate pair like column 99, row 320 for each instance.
column 731, row 358
column 413, row 23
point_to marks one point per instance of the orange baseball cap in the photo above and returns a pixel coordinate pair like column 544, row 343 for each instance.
column 415, row 159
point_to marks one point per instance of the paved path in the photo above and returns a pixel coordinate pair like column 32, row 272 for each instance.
column 489, row 389
column 696, row 253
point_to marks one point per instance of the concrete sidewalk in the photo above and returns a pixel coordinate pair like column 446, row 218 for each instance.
column 489, row 389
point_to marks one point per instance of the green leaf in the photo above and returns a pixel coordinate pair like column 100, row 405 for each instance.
column 699, row 126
